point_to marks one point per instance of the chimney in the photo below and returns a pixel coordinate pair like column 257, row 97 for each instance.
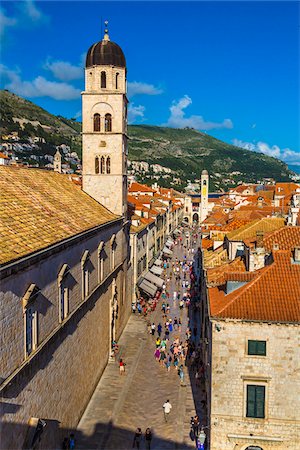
column 259, row 239
column 275, row 246
column 297, row 254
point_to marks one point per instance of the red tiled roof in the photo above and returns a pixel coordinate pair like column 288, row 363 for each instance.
column 287, row 238
column 218, row 275
column 3, row 156
column 138, row 187
column 206, row 244
column 272, row 296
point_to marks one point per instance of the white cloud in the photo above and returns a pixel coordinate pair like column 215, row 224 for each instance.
column 136, row 88
column 177, row 118
column 77, row 115
column 286, row 154
column 5, row 22
column 135, row 112
column 63, row 70
column 39, row 87
column 31, row 11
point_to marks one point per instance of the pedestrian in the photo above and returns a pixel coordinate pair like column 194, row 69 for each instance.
column 139, row 307
column 175, row 323
column 179, row 325
column 174, row 295
column 153, row 327
column 133, row 308
column 137, row 438
column 157, row 354
column 148, row 438
column 121, row 366
column 167, row 409
column 159, row 329
column 71, row 441
column 65, row 444
column 181, row 374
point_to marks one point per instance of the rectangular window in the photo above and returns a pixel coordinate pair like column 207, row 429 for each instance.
column 255, row 401
column 64, row 301
column 30, row 330
column 86, row 282
column 257, row 348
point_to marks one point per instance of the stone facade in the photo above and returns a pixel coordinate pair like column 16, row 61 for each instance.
column 230, row 369
column 56, row 380
column 110, row 187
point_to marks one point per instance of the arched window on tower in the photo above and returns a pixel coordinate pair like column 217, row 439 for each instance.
column 108, row 164
column 102, row 165
column 117, row 80
column 97, row 122
column 97, row 165
column 108, row 122
column 103, row 80
column 204, row 182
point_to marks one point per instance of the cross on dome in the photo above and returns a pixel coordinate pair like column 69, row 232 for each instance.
column 106, row 36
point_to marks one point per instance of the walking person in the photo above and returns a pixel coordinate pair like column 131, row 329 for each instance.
column 167, row 409
column 153, row 327
column 148, row 438
column 121, row 366
column 159, row 329
column 137, row 438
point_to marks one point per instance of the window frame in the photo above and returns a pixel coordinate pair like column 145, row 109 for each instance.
column 263, row 386
column 85, row 275
column 28, row 301
column 97, row 165
column 108, row 123
column 97, row 123
column 103, row 79
column 257, row 342
column 100, row 262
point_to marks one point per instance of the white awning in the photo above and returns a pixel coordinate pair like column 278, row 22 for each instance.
column 148, row 288
column 154, row 279
column 158, row 262
column 157, row 270
column 167, row 251
column 169, row 243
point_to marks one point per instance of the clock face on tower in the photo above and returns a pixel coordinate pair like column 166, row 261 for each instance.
column 204, row 190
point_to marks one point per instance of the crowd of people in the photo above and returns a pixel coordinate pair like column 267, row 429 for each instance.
column 176, row 340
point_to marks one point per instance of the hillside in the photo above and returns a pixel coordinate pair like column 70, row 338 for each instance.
column 185, row 151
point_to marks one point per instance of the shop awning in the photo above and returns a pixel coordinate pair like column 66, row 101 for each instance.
column 148, row 287
column 157, row 270
column 158, row 262
column 154, row 279
column 169, row 243
column 167, row 251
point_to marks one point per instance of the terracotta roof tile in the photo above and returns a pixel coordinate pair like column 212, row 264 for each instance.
column 250, row 229
column 39, row 208
column 272, row 296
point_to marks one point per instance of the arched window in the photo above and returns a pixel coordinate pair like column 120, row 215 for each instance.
column 103, row 80
column 97, row 123
column 100, row 262
column 30, row 319
column 97, row 164
column 204, row 182
column 102, row 165
column 63, row 292
column 107, row 122
column 108, row 164
column 85, row 274
column 117, row 80
column 113, row 245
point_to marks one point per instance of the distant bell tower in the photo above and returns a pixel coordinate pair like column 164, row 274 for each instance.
column 104, row 126
column 204, row 195
column 57, row 162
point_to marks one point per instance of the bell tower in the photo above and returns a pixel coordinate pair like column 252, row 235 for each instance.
column 104, row 126
column 204, row 195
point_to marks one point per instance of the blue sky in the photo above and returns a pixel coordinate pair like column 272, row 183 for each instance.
column 228, row 68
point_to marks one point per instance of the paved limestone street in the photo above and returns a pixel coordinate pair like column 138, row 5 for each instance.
column 120, row 404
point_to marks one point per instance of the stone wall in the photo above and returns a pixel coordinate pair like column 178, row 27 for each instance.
column 232, row 369
column 56, row 381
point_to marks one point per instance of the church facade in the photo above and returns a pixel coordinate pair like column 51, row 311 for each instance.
column 65, row 269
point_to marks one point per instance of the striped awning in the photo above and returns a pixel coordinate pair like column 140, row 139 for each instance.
column 154, row 279
column 148, row 288
column 156, row 270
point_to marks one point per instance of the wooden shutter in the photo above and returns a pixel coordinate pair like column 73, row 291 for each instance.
column 261, row 348
column 260, row 401
column 250, row 400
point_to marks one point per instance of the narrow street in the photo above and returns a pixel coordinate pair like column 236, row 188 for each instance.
column 120, row 404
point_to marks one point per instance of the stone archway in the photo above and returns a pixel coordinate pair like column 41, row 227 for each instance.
column 253, row 447
column 186, row 220
column 196, row 217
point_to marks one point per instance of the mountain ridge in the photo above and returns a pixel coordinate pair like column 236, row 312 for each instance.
column 185, row 151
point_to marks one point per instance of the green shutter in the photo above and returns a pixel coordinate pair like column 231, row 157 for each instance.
column 260, row 402
column 257, row 348
column 261, row 348
column 250, row 400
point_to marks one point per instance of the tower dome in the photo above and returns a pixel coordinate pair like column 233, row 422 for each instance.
column 105, row 53
column 204, row 172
